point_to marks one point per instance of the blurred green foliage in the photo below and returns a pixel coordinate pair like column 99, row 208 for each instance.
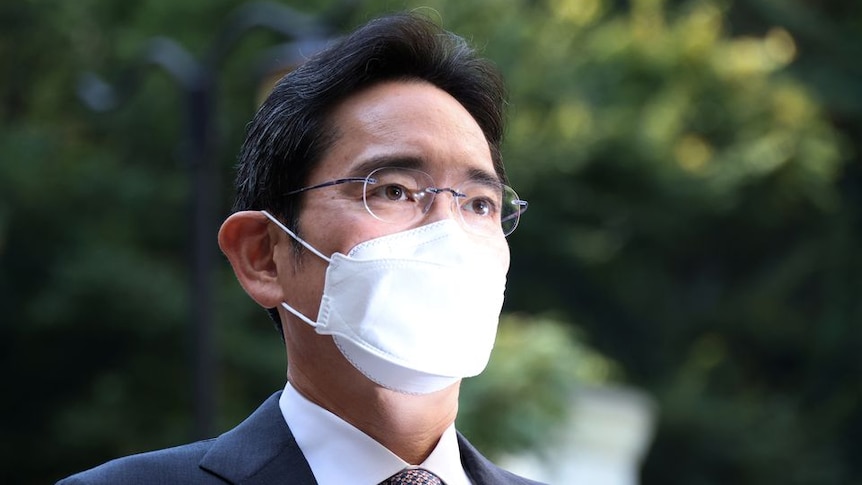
column 525, row 393
column 693, row 172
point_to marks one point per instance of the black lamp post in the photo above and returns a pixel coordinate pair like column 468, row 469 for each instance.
column 197, row 80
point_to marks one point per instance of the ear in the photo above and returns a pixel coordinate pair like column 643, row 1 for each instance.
column 249, row 243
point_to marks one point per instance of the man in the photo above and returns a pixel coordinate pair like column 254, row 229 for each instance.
column 370, row 220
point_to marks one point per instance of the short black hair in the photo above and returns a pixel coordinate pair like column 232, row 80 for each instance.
column 292, row 130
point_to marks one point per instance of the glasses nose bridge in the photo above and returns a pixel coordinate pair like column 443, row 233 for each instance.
column 435, row 191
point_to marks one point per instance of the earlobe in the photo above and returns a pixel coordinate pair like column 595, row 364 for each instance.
column 245, row 238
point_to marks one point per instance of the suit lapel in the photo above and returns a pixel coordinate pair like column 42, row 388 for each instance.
column 481, row 471
column 261, row 450
column 478, row 468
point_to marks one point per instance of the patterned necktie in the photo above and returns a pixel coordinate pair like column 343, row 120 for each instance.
column 413, row 476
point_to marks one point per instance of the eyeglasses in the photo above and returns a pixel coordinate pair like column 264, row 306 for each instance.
column 402, row 195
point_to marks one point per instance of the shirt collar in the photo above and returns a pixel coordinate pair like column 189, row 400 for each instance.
column 338, row 453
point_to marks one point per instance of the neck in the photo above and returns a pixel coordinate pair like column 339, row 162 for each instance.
column 407, row 425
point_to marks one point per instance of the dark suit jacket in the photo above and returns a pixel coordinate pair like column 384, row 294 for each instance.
column 261, row 450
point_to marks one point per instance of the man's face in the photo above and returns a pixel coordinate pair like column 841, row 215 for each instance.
column 387, row 124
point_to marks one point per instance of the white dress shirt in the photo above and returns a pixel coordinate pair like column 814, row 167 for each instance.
column 339, row 453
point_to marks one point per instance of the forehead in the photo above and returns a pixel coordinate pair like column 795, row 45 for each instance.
column 405, row 123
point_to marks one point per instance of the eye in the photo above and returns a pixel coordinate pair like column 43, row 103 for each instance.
column 391, row 193
column 480, row 206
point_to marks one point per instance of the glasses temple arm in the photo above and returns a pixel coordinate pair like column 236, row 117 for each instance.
column 328, row 184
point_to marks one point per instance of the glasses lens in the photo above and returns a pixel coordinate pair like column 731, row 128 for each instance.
column 400, row 195
column 488, row 208
column 397, row 194
column 513, row 207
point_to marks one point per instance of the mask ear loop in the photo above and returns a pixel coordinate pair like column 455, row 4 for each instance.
column 293, row 235
column 310, row 248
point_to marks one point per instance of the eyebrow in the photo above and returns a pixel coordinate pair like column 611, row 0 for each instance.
column 398, row 161
column 365, row 167
column 484, row 177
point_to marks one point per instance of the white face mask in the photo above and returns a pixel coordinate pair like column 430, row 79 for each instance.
column 414, row 311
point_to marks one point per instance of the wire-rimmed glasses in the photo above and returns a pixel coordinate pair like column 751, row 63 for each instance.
column 402, row 195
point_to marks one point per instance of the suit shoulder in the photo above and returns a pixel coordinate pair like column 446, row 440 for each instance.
column 495, row 474
column 517, row 479
column 170, row 465
column 481, row 470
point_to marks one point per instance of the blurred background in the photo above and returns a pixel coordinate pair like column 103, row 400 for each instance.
column 690, row 257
